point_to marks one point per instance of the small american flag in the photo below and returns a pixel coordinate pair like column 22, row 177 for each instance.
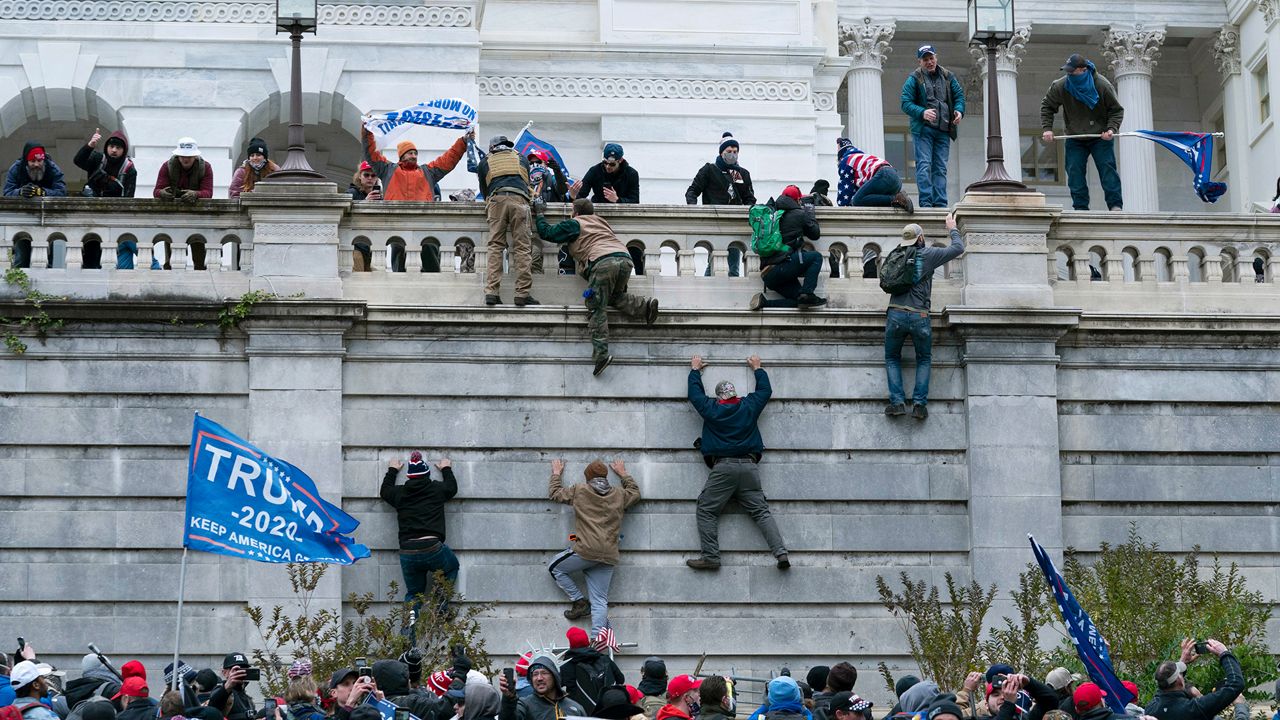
column 605, row 640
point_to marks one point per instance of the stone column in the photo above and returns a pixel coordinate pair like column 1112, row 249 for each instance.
column 866, row 43
column 1226, row 52
column 1008, row 57
column 295, row 237
column 1133, row 52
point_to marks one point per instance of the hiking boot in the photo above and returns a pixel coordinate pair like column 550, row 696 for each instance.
column 492, row 300
column 902, row 202
column 701, row 563
column 811, row 300
column 757, row 302
column 895, row 409
column 601, row 364
column 784, row 563
column 919, row 411
column 528, row 300
column 581, row 608
column 651, row 311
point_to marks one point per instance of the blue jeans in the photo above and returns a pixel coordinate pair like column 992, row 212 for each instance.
column 879, row 190
column 124, row 254
column 933, row 149
column 1104, row 158
column 899, row 325
column 735, row 260
column 783, row 278
column 419, row 569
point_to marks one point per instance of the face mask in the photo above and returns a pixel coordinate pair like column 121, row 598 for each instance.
column 600, row 485
column 257, row 164
column 730, row 157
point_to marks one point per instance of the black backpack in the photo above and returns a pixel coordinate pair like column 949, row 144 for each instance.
column 590, row 680
column 901, row 270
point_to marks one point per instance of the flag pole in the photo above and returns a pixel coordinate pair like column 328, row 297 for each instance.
column 177, row 640
column 1092, row 136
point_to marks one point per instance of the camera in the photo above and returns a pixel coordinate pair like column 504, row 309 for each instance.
column 362, row 667
column 252, row 674
column 1202, row 647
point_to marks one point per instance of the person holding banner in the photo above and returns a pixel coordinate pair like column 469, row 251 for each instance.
column 504, row 181
column 1176, row 701
column 405, row 179
column 419, row 505
column 1089, row 107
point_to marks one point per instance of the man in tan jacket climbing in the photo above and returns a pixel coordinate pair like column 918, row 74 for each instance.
column 593, row 548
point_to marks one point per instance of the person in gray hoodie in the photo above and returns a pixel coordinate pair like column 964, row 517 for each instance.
column 481, row 702
column 919, row 696
column 548, row 701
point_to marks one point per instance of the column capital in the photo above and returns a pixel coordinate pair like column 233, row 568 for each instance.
column 866, row 42
column 1226, row 50
column 1270, row 10
column 1133, row 50
column 1008, row 54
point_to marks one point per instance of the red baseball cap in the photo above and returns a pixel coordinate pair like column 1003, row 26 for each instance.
column 522, row 664
column 792, row 192
column 1132, row 687
column 682, row 684
column 132, row 687
column 1087, row 696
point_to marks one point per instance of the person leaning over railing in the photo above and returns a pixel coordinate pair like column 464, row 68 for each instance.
column 365, row 185
column 256, row 167
column 185, row 177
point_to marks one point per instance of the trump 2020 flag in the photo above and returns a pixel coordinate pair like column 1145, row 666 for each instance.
column 451, row 113
column 526, row 142
column 1196, row 150
column 244, row 503
column 1090, row 645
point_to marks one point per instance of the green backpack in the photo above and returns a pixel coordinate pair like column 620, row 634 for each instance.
column 766, row 230
column 901, row 270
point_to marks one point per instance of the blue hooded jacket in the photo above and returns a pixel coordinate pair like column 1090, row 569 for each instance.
column 729, row 428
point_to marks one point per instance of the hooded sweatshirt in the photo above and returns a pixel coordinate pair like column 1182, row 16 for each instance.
column 536, row 707
column 482, row 702
column 597, row 518
column 18, row 178
column 419, row 504
column 108, row 177
column 919, row 696
column 392, row 677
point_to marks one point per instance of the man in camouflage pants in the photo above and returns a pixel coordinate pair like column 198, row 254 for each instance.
column 604, row 261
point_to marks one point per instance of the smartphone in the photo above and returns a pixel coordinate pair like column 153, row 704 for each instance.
column 269, row 708
column 402, row 713
column 252, row 675
column 1202, row 647
column 510, row 675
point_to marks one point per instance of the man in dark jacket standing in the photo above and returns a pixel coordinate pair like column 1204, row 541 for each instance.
column 586, row 672
column 612, row 180
column 782, row 270
column 1089, row 107
column 548, row 701
column 908, row 315
column 731, row 446
column 723, row 182
column 230, row 697
column 933, row 99
column 1174, row 699
column 419, row 505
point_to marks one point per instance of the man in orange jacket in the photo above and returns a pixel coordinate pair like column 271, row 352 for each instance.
column 406, row 179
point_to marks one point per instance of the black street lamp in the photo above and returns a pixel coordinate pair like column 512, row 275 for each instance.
column 296, row 17
column 991, row 23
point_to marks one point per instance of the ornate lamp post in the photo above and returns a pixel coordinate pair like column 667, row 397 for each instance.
column 991, row 23
column 296, row 17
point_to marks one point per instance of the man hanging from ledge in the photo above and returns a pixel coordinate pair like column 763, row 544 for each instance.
column 604, row 261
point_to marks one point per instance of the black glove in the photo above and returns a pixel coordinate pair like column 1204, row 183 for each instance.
column 539, row 206
column 461, row 663
column 31, row 190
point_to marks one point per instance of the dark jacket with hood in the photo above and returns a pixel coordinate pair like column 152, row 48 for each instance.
column 108, row 177
column 798, row 224
column 234, row 704
column 536, row 707
column 98, row 681
column 729, row 428
column 18, row 178
column 419, row 505
column 583, row 661
column 392, row 677
column 140, row 709
column 1180, row 705
column 625, row 181
column 712, row 184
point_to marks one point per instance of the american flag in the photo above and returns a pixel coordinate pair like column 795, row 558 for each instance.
column 605, row 640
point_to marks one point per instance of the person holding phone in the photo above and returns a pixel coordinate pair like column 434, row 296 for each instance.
column 230, row 697
column 1176, row 700
column 612, row 180
column 548, row 701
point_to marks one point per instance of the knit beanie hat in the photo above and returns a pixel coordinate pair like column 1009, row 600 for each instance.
column 417, row 468
column 945, row 707
column 904, row 684
column 792, row 192
column 844, row 144
column 438, row 682
column 595, row 470
column 613, row 150
column 727, row 141
column 577, row 638
column 35, row 153
column 258, row 145
column 817, row 677
column 820, row 188
column 403, row 147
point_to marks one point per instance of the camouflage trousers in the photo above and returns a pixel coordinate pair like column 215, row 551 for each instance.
column 608, row 284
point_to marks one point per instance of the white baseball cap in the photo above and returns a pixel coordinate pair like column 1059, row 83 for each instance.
column 26, row 672
column 187, row 147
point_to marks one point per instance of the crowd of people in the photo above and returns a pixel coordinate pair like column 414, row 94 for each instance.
column 583, row 680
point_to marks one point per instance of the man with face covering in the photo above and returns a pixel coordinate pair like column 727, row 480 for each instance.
column 731, row 446
column 723, row 182
column 548, row 701
column 598, row 508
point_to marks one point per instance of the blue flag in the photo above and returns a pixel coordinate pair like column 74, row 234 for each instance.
column 244, row 503
column 385, row 707
column 1090, row 645
column 526, row 143
column 1196, row 150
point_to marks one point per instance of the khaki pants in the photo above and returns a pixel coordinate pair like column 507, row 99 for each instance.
column 509, row 226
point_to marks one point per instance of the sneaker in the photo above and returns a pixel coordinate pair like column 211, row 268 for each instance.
column 811, row 300
column 1116, row 209
column 701, row 563
column 522, row 301
column 651, row 311
column 601, row 364
column 784, row 563
column 757, row 302
column 919, row 412
column 581, row 608
column 492, row 300
column 895, row 409
column 903, row 202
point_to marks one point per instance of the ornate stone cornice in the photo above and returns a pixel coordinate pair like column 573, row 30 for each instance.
column 1226, row 50
column 1133, row 50
column 248, row 13
column 656, row 88
column 824, row 102
column 866, row 42
column 1270, row 10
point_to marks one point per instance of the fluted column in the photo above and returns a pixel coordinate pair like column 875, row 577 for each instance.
column 1133, row 52
column 866, row 43
column 1226, row 53
column 1008, row 57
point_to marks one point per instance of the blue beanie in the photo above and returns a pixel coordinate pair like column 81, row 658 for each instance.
column 727, row 141
column 783, row 690
column 613, row 150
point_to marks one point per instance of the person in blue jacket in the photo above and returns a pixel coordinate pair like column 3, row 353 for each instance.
column 731, row 446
